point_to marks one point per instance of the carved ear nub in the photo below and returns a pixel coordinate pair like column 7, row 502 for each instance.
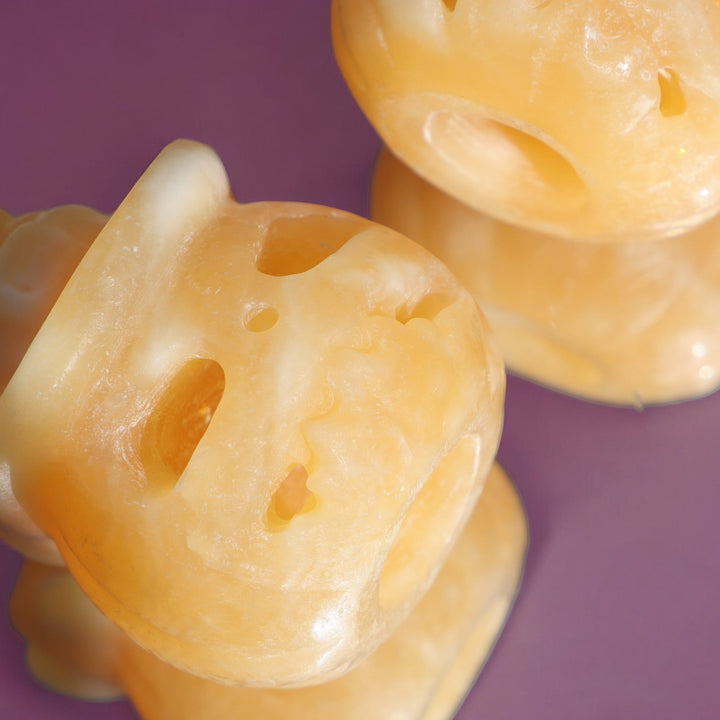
column 180, row 191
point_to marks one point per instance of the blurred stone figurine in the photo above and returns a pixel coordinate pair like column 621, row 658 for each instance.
column 563, row 160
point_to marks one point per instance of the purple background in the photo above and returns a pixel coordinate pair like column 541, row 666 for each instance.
column 619, row 612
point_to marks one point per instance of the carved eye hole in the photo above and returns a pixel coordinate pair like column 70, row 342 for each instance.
column 180, row 419
column 296, row 244
column 672, row 97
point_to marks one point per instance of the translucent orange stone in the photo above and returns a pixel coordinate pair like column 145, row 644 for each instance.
column 628, row 323
column 421, row 673
column 253, row 431
column 579, row 118
column 38, row 253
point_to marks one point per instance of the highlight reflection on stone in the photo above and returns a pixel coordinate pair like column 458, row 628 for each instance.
column 629, row 323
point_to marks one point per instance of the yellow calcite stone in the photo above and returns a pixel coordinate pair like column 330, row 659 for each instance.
column 629, row 323
column 253, row 431
column 579, row 118
column 421, row 673
column 38, row 253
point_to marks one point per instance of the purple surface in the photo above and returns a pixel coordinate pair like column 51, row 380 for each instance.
column 618, row 614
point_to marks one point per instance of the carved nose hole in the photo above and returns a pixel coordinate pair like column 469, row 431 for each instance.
column 291, row 498
column 672, row 97
column 180, row 419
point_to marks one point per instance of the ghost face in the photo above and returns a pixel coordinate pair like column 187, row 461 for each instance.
column 253, row 431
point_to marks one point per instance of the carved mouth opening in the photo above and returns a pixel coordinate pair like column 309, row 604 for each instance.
column 430, row 525
column 486, row 147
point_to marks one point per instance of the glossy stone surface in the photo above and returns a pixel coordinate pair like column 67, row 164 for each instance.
column 262, row 426
column 625, row 323
column 585, row 119
column 622, row 504
column 421, row 673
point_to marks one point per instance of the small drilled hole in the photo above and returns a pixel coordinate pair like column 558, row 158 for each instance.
column 450, row 4
column 262, row 320
column 296, row 244
column 428, row 307
column 291, row 498
column 181, row 418
column 672, row 97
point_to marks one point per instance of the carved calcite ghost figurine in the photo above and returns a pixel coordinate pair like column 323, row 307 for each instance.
column 626, row 323
column 253, row 431
column 581, row 118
